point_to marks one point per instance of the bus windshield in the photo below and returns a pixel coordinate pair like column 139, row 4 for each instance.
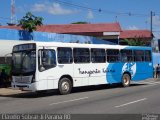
column 24, row 61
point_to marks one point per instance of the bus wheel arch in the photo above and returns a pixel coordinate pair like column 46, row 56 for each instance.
column 65, row 84
column 126, row 79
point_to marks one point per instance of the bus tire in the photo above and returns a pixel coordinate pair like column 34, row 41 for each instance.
column 126, row 78
column 64, row 86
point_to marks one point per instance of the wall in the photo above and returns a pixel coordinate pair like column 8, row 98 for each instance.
column 156, row 59
column 10, row 34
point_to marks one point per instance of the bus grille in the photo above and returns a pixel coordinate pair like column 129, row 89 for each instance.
column 23, row 79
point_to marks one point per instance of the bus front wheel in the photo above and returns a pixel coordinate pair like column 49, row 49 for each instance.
column 64, row 86
column 126, row 80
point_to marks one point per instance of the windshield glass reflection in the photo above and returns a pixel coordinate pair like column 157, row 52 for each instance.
column 24, row 61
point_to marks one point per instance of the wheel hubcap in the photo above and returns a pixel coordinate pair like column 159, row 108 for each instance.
column 126, row 80
column 65, row 86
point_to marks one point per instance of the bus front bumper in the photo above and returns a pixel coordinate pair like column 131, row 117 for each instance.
column 24, row 87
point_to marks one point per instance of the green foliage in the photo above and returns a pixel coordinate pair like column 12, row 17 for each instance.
column 7, row 68
column 29, row 22
column 81, row 22
column 135, row 42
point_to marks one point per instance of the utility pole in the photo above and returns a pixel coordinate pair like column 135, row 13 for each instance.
column 152, row 14
column 151, row 21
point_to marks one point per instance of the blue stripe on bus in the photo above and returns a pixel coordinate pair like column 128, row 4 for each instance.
column 138, row 48
column 137, row 70
column 113, row 73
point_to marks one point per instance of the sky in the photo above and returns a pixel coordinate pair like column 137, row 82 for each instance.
column 131, row 14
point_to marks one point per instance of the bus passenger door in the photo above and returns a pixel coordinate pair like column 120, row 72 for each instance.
column 46, row 68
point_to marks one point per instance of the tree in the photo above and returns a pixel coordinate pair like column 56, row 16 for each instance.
column 135, row 42
column 80, row 22
column 29, row 22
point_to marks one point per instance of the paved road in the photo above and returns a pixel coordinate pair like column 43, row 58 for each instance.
column 143, row 97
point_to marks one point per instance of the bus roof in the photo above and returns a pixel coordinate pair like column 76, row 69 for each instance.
column 80, row 45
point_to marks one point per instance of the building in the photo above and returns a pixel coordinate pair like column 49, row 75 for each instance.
column 107, row 31
column 141, row 35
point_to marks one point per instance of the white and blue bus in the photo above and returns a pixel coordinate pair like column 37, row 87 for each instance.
column 43, row 66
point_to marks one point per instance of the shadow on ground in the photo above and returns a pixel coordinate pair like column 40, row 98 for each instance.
column 74, row 90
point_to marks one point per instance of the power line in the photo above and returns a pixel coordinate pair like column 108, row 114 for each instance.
column 5, row 18
column 99, row 10
column 102, row 10
column 79, row 6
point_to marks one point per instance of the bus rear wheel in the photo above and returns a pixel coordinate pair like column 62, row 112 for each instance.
column 65, row 86
column 126, row 80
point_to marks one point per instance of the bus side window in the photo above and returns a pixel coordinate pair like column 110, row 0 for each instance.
column 113, row 55
column 148, row 57
column 81, row 55
column 46, row 59
column 98, row 55
column 139, row 55
column 64, row 55
column 126, row 55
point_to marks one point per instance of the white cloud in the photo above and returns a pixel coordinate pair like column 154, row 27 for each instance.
column 133, row 28
column 39, row 7
column 90, row 14
column 57, row 9
column 53, row 8
column 156, row 20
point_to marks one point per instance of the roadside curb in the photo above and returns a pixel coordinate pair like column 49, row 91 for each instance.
column 153, row 79
column 9, row 91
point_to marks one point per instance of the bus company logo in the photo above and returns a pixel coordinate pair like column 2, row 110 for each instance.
column 129, row 67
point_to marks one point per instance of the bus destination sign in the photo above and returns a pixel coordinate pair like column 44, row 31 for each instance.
column 23, row 47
